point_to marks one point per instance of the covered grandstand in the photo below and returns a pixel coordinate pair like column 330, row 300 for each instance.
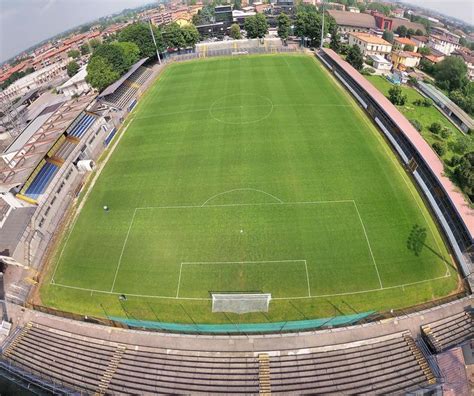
column 452, row 110
column 122, row 93
column 447, row 202
column 35, row 156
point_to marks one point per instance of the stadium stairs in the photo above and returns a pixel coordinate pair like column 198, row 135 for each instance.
column 449, row 332
column 388, row 364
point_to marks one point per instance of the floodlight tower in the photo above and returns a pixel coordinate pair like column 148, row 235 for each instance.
column 322, row 25
column 154, row 41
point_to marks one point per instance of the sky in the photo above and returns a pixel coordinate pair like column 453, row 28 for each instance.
column 461, row 9
column 24, row 23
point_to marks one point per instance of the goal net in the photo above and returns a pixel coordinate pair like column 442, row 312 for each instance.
column 240, row 302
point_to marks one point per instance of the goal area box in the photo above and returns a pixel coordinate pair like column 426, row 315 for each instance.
column 240, row 302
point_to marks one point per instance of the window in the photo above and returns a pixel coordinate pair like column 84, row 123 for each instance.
column 53, row 201
column 47, row 210
column 40, row 224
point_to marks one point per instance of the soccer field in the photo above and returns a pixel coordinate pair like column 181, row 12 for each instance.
column 252, row 174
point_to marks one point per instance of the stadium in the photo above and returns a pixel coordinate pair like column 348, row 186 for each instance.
column 249, row 218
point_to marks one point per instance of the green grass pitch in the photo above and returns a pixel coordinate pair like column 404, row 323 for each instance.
column 252, row 174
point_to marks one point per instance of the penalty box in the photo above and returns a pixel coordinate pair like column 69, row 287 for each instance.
column 287, row 249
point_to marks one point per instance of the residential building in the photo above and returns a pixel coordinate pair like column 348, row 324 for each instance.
column 434, row 57
column 55, row 55
column 445, row 33
column 370, row 44
column 468, row 57
column 380, row 63
column 403, row 60
column 420, row 41
column 76, row 85
column 353, row 9
column 444, row 44
column 37, row 79
column 22, row 66
column 398, row 12
column 399, row 43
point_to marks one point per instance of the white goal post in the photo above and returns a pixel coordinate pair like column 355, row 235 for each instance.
column 240, row 302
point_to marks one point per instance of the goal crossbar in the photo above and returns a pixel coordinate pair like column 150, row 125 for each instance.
column 241, row 302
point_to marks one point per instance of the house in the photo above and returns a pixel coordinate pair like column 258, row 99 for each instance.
column 353, row 9
column 420, row 41
column 399, row 43
column 76, row 85
column 444, row 44
column 352, row 22
column 380, row 63
column 51, row 57
column 398, row 12
column 370, row 44
column 468, row 57
column 433, row 57
column 403, row 60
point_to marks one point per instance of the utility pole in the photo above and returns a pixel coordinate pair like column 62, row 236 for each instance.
column 154, row 42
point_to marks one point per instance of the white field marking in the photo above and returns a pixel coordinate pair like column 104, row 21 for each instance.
column 273, row 298
column 263, row 117
column 123, row 249
column 307, row 278
column 242, row 189
column 240, row 262
column 173, row 113
column 368, row 243
column 89, row 189
column 244, row 204
column 392, row 157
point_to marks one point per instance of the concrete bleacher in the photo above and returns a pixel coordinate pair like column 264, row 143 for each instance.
column 449, row 331
column 388, row 364
column 41, row 181
column 127, row 91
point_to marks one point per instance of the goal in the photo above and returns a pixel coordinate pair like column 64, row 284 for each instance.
column 240, row 302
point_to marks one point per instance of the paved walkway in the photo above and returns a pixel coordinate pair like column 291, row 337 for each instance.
column 242, row 343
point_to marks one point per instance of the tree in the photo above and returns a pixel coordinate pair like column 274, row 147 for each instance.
column 401, row 31
column 424, row 50
column 396, row 96
column 139, row 33
column 439, row 148
column 94, row 43
column 335, row 43
column 284, row 24
column 235, row 32
column 451, row 73
column 464, row 98
column 463, row 41
column 308, row 25
column 354, row 57
column 114, row 55
column 256, row 26
column 190, row 35
column 409, row 47
column 410, row 32
column 74, row 54
column 85, row 49
column 100, row 74
column 419, row 32
column 387, row 36
column 464, row 174
column 237, row 4
column 173, row 36
column 130, row 50
column 462, row 144
column 435, row 127
column 72, row 68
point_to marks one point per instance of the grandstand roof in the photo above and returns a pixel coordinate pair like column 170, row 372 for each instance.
column 28, row 149
column 423, row 148
column 113, row 87
column 440, row 97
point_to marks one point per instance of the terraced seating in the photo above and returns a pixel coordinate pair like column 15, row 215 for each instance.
column 66, row 148
column 41, row 181
column 82, row 126
column 390, row 364
column 449, row 331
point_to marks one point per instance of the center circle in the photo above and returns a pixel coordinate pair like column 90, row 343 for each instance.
column 243, row 108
